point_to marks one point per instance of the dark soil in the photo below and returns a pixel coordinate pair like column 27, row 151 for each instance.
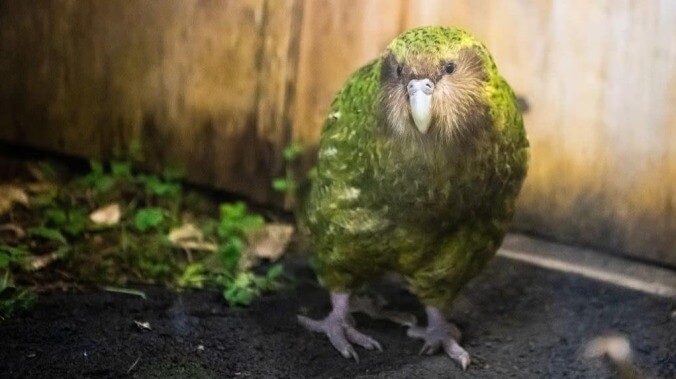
column 519, row 321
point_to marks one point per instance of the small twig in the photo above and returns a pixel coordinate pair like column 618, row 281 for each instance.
column 195, row 245
column 133, row 365
column 14, row 228
column 64, row 274
column 40, row 262
column 126, row 291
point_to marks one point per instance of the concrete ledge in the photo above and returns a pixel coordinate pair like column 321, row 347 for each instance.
column 590, row 264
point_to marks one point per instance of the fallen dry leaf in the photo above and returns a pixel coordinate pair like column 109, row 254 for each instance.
column 41, row 261
column 145, row 325
column 194, row 245
column 615, row 347
column 9, row 195
column 268, row 242
column 618, row 349
column 108, row 215
column 189, row 237
column 185, row 232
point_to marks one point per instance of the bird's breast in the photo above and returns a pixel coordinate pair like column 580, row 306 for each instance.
column 430, row 192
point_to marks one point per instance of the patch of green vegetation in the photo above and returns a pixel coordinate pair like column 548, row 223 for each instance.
column 239, row 287
column 146, row 219
column 47, row 234
column 245, row 286
column 194, row 275
column 98, row 179
column 133, row 246
column 13, row 300
column 72, row 221
column 288, row 184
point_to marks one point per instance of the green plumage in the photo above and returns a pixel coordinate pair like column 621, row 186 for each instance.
column 430, row 210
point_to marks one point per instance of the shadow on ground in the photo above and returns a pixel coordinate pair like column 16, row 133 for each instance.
column 519, row 321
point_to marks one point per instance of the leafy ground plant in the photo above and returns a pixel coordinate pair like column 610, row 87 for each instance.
column 240, row 286
column 288, row 184
column 226, row 269
column 13, row 300
column 113, row 225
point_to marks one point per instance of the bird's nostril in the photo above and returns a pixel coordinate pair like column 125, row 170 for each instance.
column 424, row 85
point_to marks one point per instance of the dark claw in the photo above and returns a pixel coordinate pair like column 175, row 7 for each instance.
column 429, row 349
column 441, row 338
column 349, row 352
column 360, row 339
column 457, row 353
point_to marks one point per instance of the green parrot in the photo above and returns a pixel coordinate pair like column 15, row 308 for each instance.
column 420, row 162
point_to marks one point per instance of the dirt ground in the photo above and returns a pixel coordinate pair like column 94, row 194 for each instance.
column 519, row 321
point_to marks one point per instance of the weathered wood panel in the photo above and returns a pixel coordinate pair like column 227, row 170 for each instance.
column 203, row 84
column 221, row 86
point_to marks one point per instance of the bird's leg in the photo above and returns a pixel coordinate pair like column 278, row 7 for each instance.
column 438, row 334
column 338, row 327
column 372, row 305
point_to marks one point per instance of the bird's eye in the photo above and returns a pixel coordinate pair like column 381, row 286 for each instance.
column 400, row 69
column 449, row 68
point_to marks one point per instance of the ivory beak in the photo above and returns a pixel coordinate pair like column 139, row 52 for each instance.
column 420, row 99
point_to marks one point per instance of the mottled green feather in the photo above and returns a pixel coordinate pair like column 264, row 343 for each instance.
column 435, row 213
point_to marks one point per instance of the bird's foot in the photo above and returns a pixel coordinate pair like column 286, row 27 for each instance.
column 338, row 327
column 440, row 334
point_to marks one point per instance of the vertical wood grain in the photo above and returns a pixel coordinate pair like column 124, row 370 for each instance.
column 202, row 84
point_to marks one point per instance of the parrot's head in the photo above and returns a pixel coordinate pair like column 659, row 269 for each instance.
column 433, row 84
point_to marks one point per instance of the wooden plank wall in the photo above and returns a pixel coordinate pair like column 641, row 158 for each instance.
column 221, row 86
column 203, row 84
